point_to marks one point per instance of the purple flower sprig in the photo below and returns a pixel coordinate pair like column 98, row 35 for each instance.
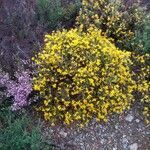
column 19, row 89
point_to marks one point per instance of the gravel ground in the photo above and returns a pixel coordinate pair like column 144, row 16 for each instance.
column 125, row 132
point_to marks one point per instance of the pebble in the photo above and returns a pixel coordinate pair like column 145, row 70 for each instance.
column 116, row 127
column 137, row 120
column 133, row 146
column 102, row 141
column 129, row 118
column 64, row 134
column 124, row 142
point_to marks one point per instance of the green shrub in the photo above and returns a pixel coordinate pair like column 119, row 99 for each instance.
column 143, row 35
column 19, row 133
column 54, row 15
column 114, row 19
column 82, row 75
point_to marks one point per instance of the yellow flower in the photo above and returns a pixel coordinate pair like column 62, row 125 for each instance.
column 83, row 75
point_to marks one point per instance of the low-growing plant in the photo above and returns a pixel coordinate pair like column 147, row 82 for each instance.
column 114, row 19
column 19, row 132
column 142, row 35
column 54, row 15
column 82, row 75
column 19, row 88
column 70, row 13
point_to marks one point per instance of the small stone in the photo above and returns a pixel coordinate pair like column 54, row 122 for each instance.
column 124, row 136
column 116, row 127
column 137, row 120
column 62, row 133
column 51, row 131
column 129, row 118
column 102, row 141
column 124, row 142
column 133, row 146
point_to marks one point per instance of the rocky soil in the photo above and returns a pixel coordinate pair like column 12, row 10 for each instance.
column 123, row 132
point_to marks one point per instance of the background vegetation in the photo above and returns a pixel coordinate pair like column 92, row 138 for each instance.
column 19, row 131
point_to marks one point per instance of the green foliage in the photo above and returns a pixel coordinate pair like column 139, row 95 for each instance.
column 19, row 132
column 113, row 18
column 54, row 15
column 143, row 35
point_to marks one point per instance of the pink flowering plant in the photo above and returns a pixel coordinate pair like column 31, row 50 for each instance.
column 19, row 89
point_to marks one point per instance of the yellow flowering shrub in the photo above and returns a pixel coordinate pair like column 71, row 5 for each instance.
column 115, row 20
column 141, row 76
column 82, row 75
